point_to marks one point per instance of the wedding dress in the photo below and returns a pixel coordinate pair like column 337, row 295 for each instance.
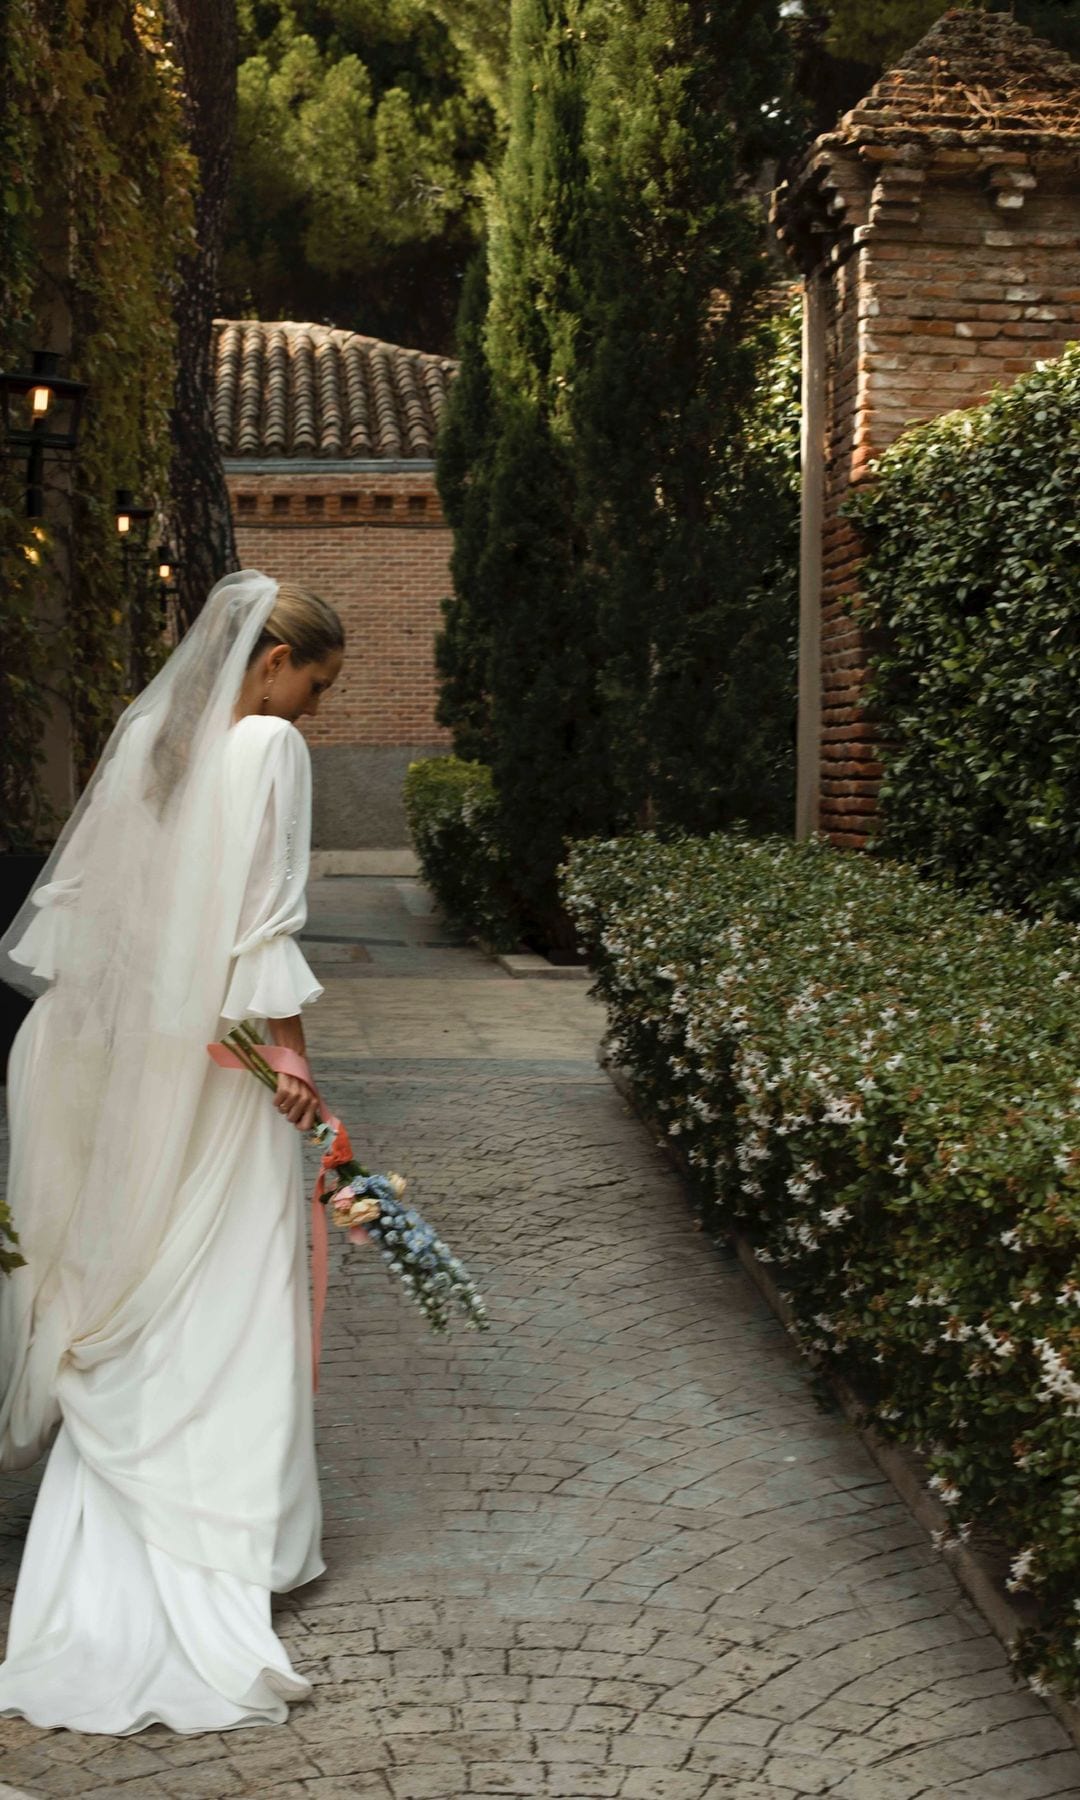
column 160, row 1327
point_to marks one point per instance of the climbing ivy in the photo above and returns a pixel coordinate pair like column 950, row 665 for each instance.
column 972, row 581
column 95, row 187
column 23, row 663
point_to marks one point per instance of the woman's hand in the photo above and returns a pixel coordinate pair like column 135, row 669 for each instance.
column 296, row 1102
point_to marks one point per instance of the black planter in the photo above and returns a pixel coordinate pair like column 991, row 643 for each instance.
column 18, row 873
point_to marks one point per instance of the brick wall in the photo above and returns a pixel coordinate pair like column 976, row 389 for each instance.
column 849, row 770
column 929, row 305
column 378, row 549
column 964, row 303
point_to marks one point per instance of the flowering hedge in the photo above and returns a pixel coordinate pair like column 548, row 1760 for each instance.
column 452, row 814
column 880, row 1083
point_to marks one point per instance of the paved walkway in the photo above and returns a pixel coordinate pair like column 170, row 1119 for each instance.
column 614, row 1548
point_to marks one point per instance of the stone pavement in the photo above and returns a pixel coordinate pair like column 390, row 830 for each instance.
column 617, row 1546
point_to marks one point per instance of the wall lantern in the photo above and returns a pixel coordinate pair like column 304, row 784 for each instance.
column 167, row 567
column 132, row 522
column 128, row 515
column 41, row 412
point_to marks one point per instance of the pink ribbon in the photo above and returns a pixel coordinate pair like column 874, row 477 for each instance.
column 289, row 1062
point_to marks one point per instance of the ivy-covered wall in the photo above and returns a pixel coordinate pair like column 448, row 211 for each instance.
column 972, row 579
column 95, row 186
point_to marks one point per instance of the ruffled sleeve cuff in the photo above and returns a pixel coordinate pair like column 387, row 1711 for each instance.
column 270, row 981
column 40, row 947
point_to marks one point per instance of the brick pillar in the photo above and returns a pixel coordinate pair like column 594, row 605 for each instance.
column 938, row 232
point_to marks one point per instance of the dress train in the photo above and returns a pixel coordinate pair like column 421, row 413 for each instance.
column 112, row 1634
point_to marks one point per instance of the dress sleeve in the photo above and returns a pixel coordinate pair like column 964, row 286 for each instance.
column 270, row 978
column 41, row 945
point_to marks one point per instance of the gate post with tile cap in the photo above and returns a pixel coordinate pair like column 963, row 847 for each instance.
column 937, row 228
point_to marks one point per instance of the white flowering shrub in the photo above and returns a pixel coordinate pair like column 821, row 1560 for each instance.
column 452, row 814
column 879, row 1082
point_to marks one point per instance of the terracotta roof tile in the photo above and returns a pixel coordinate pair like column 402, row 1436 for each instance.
column 979, row 97
column 305, row 391
column 978, row 75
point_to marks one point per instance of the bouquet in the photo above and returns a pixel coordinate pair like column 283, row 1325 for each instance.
column 370, row 1208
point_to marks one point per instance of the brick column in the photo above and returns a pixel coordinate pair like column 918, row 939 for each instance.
column 938, row 231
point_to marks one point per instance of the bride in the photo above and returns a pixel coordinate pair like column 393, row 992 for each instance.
column 160, row 1326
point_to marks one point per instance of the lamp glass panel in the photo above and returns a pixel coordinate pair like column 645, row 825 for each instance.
column 38, row 413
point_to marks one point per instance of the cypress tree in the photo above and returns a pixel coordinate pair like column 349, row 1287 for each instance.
column 683, row 512
column 547, row 759
column 620, row 643
column 464, row 469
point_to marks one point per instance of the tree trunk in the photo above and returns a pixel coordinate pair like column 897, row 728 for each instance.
column 204, row 33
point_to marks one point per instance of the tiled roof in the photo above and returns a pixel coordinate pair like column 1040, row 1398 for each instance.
column 301, row 391
column 974, row 76
column 978, row 98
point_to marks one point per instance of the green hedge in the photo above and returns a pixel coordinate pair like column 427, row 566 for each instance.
column 452, row 814
column 880, row 1082
column 973, row 583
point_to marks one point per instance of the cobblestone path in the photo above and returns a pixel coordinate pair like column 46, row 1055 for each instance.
column 614, row 1548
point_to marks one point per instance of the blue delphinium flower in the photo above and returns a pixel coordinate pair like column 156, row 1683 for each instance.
column 413, row 1251
column 408, row 1245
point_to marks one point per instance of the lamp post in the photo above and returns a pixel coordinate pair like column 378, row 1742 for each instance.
column 166, row 569
column 129, row 516
column 132, row 522
column 42, row 410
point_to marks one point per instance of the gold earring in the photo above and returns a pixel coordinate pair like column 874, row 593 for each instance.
column 266, row 696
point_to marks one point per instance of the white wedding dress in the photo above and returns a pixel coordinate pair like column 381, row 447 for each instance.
column 181, row 1487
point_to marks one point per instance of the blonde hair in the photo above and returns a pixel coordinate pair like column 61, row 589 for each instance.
column 304, row 621
column 312, row 630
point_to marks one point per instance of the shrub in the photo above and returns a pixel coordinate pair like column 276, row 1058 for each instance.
column 879, row 1082
column 973, row 581
column 10, row 1255
column 452, row 814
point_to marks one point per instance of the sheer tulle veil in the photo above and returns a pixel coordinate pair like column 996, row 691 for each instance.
column 132, row 812
column 130, row 929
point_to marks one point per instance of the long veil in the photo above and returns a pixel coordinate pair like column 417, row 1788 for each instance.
column 130, row 930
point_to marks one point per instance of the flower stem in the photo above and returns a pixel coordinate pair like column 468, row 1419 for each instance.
column 239, row 1042
column 254, row 1042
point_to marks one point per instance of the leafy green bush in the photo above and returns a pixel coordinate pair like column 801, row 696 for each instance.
column 11, row 1256
column 881, row 1083
column 452, row 814
column 973, row 581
